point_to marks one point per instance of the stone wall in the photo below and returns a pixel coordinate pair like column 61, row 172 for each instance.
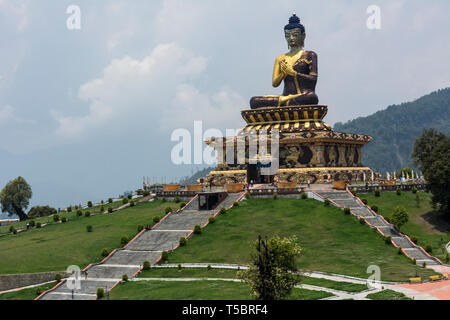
column 13, row 281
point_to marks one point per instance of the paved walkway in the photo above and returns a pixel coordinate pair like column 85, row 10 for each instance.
column 146, row 246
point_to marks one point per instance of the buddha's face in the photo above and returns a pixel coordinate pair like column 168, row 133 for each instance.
column 295, row 38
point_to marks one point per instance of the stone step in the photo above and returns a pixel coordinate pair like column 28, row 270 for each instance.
column 67, row 296
column 402, row 242
column 348, row 203
column 429, row 262
column 417, row 254
column 156, row 241
column 89, row 286
column 375, row 221
column 363, row 212
column 104, row 271
column 389, row 231
column 184, row 220
column 129, row 257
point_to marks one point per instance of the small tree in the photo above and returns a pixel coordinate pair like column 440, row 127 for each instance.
column 124, row 240
column 197, row 229
column 89, row 204
column 377, row 193
column 110, row 200
column 270, row 274
column 146, row 265
column 15, row 198
column 100, row 293
column 399, row 217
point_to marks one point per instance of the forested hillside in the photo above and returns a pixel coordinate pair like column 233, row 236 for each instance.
column 395, row 129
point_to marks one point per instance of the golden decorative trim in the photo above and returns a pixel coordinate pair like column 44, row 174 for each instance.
column 277, row 116
column 268, row 116
column 260, row 118
column 286, row 115
column 252, row 118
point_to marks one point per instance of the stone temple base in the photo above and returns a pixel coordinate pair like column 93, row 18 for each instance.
column 298, row 175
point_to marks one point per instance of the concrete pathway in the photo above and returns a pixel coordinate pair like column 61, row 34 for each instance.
column 146, row 246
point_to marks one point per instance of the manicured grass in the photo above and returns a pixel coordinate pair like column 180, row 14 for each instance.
column 232, row 274
column 56, row 247
column 4, row 230
column 198, row 290
column 25, row 294
column 387, row 295
column 428, row 226
column 188, row 273
column 332, row 241
column 337, row 285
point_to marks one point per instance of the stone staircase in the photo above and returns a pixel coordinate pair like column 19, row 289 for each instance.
column 345, row 199
column 148, row 246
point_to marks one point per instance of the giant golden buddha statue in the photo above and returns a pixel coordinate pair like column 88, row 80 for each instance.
column 297, row 69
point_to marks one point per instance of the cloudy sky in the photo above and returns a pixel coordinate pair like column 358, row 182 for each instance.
column 85, row 114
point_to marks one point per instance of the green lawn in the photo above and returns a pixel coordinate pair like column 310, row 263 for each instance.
column 232, row 274
column 4, row 230
column 387, row 295
column 198, row 290
column 58, row 246
column 428, row 226
column 26, row 294
column 332, row 241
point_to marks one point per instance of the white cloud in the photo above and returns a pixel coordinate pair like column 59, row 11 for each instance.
column 159, row 89
column 16, row 11
column 7, row 116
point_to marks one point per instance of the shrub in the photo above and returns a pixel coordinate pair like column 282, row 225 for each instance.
column 167, row 210
column 223, row 210
column 89, row 204
column 58, row 277
column 41, row 211
column 399, row 217
column 146, row 193
column 87, row 214
column 183, row 204
column 377, row 193
column 182, row 241
column 347, row 210
column 211, row 220
column 124, row 240
column 39, row 291
column 102, row 202
column 414, row 190
column 197, row 229
column 110, row 200
column 100, row 293
column 89, row 228
column 56, row 218
column 79, row 213
column 275, row 196
column 208, row 267
column 179, row 267
column 388, row 239
column 429, row 248
column 110, row 210
column 414, row 239
column 177, row 199
column 102, row 208
column 388, row 219
column 76, row 208
column 163, row 199
column 399, row 192
column 374, row 208
column 32, row 223
column 364, row 201
column 146, row 265
column 414, row 260
column 130, row 196
column 124, row 277
column 105, row 252
column 12, row 230
column 131, row 203
column 236, row 204
column 124, row 200
column 69, row 209
column 304, row 195
column 327, row 202
column 156, row 219
column 399, row 251
column 140, row 227
column 165, row 256
column 64, row 219
column 248, row 195
column 38, row 225
column 362, row 221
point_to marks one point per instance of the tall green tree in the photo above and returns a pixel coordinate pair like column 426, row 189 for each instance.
column 432, row 153
column 15, row 198
column 399, row 217
column 270, row 273
column 424, row 146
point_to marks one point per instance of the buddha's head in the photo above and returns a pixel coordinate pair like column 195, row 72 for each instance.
column 295, row 33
